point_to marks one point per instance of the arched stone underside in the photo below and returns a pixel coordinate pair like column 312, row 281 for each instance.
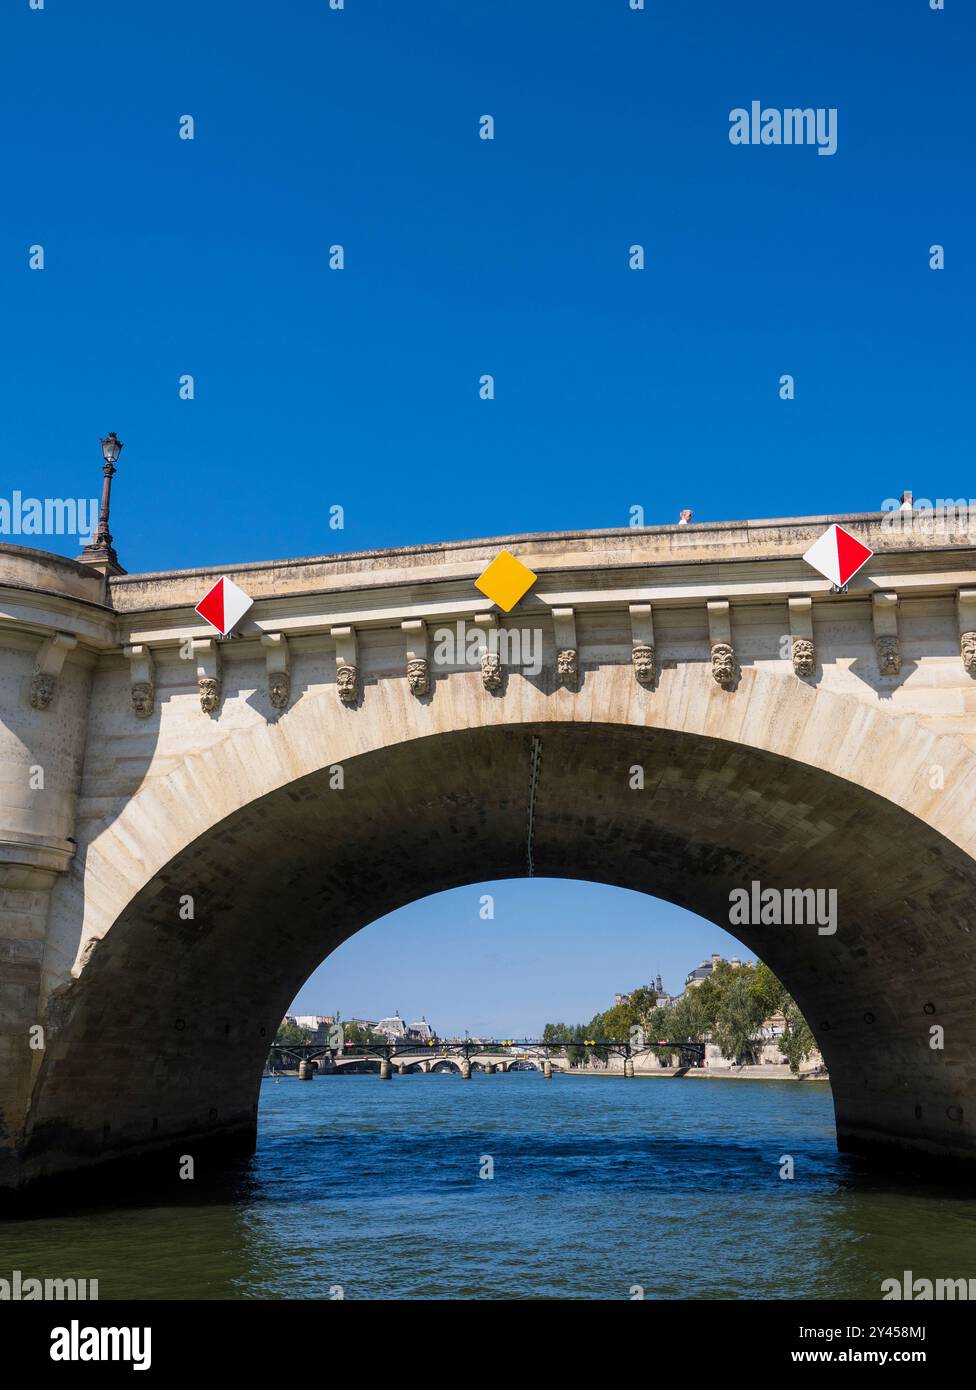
column 159, row 1035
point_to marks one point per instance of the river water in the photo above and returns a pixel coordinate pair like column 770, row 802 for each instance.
column 600, row 1186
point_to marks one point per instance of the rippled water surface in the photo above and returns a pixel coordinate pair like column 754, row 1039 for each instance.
column 600, row 1184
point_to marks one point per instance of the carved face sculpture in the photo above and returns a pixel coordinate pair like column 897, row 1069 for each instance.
column 142, row 699
column 803, row 658
column 723, row 664
column 566, row 665
column 42, row 690
column 491, row 670
column 418, row 676
column 889, row 657
column 347, row 683
column 279, row 688
column 967, row 647
column 209, row 693
column 644, row 662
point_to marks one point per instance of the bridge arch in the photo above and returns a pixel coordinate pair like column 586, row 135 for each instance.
column 780, row 782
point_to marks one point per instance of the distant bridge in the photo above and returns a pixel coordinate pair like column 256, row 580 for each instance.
column 470, row 1055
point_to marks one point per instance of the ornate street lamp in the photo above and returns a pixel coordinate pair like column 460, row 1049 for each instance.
column 100, row 550
column 111, row 448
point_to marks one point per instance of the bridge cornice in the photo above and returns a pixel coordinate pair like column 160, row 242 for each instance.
column 592, row 571
column 552, row 554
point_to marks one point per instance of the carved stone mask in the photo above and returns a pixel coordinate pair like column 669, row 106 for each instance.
column 889, row 656
column 143, row 695
column 209, row 693
column 723, row 663
column 566, row 664
column 967, row 647
column 418, row 675
column 347, row 682
column 804, row 662
column 491, row 670
column 645, row 663
column 42, row 690
column 279, row 688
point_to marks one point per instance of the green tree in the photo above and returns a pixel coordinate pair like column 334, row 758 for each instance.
column 576, row 1052
column 729, row 1008
column 557, row 1033
column 738, row 1017
column 355, row 1036
column 615, row 1023
column 769, row 994
column 688, row 1020
column 798, row 1041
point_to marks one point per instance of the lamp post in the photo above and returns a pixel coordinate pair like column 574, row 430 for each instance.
column 100, row 550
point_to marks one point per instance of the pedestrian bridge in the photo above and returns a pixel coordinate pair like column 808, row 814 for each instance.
column 469, row 1056
column 438, row 1061
column 188, row 825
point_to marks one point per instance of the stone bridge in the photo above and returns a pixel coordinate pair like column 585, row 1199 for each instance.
column 432, row 1060
column 188, row 826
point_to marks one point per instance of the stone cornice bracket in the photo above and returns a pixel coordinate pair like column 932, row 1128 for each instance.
column 884, row 615
column 567, row 651
column 643, row 654
column 725, row 668
column 418, row 666
column 47, row 667
column 207, row 653
column 492, row 676
column 142, row 680
column 276, row 659
column 966, row 609
column 347, row 664
column 802, row 651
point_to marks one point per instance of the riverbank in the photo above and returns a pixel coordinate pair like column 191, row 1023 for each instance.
column 759, row 1073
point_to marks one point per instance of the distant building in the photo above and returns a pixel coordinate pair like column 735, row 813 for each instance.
column 774, row 1026
column 317, row 1024
column 392, row 1028
column 422, row 1031
column 663, row 998
column 702, row 972
column 368, row 1025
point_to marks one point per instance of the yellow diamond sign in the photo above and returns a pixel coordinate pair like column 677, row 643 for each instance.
column 505, row 580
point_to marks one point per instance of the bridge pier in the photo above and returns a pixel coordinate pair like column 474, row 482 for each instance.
column 466, row 1069
column 490, row 1068
column 628, row 1066
column 306, row 1071
column 547, row 1070
column 386, row 1069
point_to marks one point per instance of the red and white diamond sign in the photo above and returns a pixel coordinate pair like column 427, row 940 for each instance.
column 838, row 555
column 224, row 605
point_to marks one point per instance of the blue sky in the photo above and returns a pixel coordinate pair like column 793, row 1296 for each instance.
column 555, row 951
column 359, row 387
